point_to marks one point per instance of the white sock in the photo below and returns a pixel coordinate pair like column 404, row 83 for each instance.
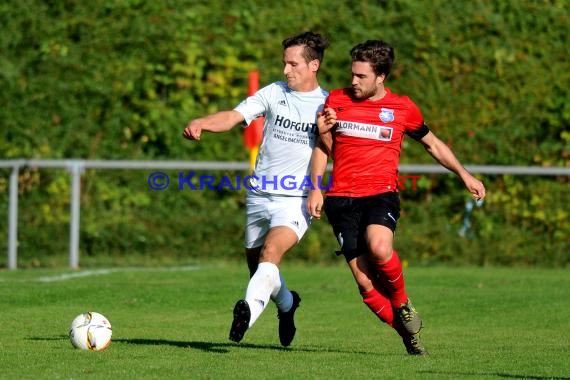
column 282, row 298
column 264, row 282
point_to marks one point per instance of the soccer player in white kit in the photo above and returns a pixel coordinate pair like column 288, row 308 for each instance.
column 277, row 216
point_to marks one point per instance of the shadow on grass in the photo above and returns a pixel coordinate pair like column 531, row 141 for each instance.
column 497, row 374
column 216, row 347
column 203, row 346
column 219, row 347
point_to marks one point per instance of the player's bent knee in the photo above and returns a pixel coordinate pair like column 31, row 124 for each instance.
column 381, row 251
column 271, row 253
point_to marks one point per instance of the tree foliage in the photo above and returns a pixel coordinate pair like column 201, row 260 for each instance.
column 119, row 79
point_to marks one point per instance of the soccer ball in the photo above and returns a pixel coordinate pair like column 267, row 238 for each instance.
column 90, row 331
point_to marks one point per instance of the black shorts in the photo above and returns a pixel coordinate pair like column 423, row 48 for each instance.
column 349, row 218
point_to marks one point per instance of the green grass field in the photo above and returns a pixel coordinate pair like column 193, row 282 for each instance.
column 173, row 322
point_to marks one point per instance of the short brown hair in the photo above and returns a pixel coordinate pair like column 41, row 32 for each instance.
column 378, row 53
column 314, row 43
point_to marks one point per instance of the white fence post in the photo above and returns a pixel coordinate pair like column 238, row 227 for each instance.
column 76, row 169
column 13, row 217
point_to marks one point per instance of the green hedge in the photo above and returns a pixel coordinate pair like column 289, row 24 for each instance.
column 120, row 79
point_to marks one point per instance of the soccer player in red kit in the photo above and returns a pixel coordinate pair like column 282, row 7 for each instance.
column 363, row 127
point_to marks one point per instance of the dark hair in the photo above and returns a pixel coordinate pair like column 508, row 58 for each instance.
column 378, row 53
column 314, row 43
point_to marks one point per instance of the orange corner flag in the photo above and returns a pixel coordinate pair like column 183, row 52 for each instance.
column 252, row 135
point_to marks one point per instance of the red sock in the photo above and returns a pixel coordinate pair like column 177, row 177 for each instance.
column 379, row 305
column 393, row 277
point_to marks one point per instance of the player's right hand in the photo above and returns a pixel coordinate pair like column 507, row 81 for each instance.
column 192, row 131
column 315, row 203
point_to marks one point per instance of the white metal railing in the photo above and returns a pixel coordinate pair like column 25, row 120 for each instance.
column 77, row 166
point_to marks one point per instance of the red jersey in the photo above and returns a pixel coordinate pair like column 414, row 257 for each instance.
column 368, row 140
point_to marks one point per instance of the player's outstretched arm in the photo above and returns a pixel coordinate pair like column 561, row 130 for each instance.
column 221, row 121
column 444, row 155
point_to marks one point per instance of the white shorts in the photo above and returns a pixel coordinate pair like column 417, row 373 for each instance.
column 265, row 211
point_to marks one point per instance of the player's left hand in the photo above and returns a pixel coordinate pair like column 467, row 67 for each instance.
column 326, row 120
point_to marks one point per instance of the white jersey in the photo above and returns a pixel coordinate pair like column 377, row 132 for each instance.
column 289, row 135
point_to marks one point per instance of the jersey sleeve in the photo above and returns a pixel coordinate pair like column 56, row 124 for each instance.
column 327, row 102
column 415, row 125
column 255, row 105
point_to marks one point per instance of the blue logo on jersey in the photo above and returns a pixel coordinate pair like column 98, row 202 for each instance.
column 386, row 115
